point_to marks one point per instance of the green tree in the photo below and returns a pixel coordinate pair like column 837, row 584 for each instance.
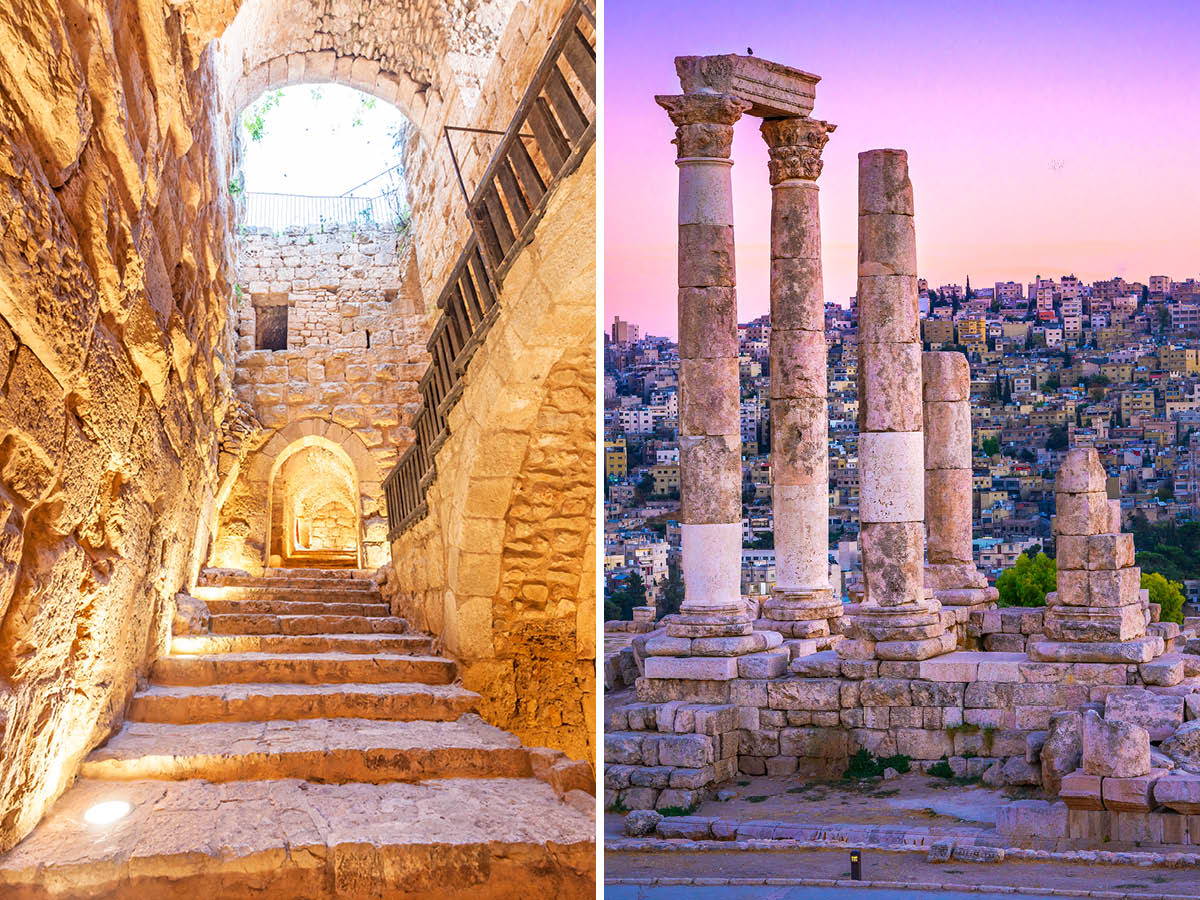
column 634, row 594
column 1028, row 581
column 1057, row 439
column 671, row 599
column 1167, row 594
column 991, row 446
column 1166, row 490
column 254, row 120
column 1052, row 383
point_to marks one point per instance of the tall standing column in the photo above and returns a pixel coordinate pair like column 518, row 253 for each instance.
column 803, row 603
column 898, row 618
column 714, row 625
column 949, row 517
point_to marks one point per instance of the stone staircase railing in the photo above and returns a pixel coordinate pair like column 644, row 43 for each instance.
column 552, row 129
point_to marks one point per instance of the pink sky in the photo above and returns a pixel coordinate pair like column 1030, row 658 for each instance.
column 1052, row 141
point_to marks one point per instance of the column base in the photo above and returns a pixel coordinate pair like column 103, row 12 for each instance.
column 908, row 631
column 729, row 622
column 1138, row 650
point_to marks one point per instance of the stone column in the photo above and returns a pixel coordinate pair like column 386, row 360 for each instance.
column 803, row 604
column 714, row 626
column 1099, row 612
column 949, row 518
column 898, row 618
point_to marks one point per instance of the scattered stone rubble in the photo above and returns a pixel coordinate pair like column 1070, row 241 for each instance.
column 1091, row 698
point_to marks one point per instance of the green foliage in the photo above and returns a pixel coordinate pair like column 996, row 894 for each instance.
column 1057, row 439
column 677, row 810
column 1170, row 549
column 1052, row 383
column 621, row 603
column 863, row 765
column 941, row 769
column 671, row 599
column 236, row 187
column 991, row 446
column 1028, row 581
column 254, row 120
column 1167, row 594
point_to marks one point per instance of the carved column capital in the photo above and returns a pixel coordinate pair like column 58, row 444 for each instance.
column 795, row 147
column 703, row 122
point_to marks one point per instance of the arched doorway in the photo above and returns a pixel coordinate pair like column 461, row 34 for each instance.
column 314, row 517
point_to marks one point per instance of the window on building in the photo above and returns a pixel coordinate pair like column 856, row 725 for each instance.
column 271, row 328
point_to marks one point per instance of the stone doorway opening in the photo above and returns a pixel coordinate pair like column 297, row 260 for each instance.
column 314, row 508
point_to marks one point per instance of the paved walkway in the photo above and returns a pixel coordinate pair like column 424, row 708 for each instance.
column 893, row 875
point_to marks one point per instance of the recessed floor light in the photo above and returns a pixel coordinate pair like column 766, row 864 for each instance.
column 107, row 812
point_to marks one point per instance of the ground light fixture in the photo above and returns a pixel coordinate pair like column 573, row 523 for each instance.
column 107, row 812
column 856, row 865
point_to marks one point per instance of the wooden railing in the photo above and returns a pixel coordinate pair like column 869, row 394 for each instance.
column 552, row 129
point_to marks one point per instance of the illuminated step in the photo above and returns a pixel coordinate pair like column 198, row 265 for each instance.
column 269, row 623
column 261, row 702
column 300, row 643
column 288, row 839
column 320, row 750
column 301, row 668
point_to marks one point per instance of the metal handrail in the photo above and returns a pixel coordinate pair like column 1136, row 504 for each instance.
column 552, row 129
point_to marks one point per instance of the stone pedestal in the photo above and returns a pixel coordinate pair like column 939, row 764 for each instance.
column 899, row 618
column 802, row 606
column 714, row 626
column 1099, row 612
column 949, row 513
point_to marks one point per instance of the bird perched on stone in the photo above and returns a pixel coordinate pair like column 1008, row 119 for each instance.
column 749, row 51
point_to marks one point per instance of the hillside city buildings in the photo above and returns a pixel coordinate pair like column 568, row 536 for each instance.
column 1055, row 364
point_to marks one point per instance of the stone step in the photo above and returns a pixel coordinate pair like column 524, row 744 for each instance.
column 249, row 702
column 270, row 623
column 281, row 592
column 321, row 750
column 301, row 668
column 289, row 839
column 301, row 643
column 294, row 579
column 297, row 607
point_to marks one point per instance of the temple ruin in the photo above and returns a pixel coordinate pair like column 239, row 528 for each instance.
column 1089, row 698
column 219, row 673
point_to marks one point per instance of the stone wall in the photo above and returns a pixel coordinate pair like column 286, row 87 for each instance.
column 355, row 351
column 114, row 286
column 503, row 565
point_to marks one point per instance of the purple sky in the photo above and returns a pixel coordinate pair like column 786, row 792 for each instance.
column 1052, row 140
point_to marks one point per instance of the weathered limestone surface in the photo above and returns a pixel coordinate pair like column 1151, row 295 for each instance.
column 949, row 514
column 119, row 428
column 355, row 351
column 1098, row 612
column 803, row 605
column 899, row 619
column 115, row 282
column 502, row 568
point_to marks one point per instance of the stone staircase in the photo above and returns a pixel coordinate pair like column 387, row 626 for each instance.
column 306, row 745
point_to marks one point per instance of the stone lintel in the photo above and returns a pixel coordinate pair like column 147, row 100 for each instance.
column 772, row 89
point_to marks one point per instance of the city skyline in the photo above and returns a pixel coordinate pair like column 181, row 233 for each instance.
column 1010, row 177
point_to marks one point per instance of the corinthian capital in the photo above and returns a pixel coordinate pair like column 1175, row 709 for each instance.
column 703, row 122
column 795, row 147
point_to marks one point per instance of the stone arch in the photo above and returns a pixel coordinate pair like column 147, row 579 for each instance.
column 244, row 533
column 303, row 434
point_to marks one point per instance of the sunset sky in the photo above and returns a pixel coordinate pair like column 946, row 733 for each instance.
column 1048, row 140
